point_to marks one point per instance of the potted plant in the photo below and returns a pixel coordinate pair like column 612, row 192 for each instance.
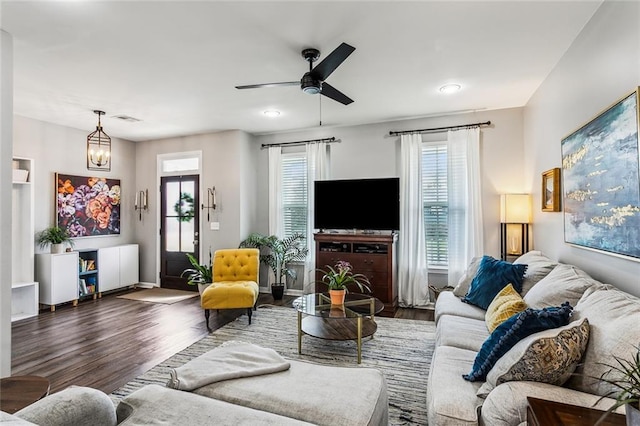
column 202, row 275
column 338, row 277
column 56, row 237
column 278, row 255
column 624, row 375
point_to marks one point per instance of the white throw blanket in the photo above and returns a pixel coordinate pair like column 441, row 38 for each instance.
column 230, row 360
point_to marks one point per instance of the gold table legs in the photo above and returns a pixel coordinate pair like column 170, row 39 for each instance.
column 359, row 340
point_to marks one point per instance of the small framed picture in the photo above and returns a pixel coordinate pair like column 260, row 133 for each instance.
column 551, row 190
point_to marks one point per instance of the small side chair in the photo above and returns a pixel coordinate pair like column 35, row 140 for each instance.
column 235, row 281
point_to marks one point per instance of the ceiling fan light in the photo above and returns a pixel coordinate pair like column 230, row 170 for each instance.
column 450, row 88
column 311, row 90
column 309, row 85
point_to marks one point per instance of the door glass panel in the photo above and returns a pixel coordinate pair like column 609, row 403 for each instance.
column 172, row 234
column 186, row 206
column 173, row 194
column 187, row 237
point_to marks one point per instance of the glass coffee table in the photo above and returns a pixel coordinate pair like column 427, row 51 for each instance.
column 354, row 320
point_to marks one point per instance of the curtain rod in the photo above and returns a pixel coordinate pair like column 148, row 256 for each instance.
column 331, row 139
column 439, row 129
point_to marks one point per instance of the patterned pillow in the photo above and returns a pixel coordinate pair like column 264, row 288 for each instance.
column 506, row 304
column 510, row 332
column 493, row 275
column 550, row 356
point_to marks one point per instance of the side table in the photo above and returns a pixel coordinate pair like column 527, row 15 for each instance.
column 541, row 412
column 19, row 391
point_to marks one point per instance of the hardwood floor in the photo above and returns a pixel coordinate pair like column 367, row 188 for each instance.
column 105, row 343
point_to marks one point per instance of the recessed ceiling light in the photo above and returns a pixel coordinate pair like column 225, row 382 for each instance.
column 271, row 113
column 450, row 88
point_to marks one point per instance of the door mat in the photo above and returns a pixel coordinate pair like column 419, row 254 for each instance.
column 165, row 296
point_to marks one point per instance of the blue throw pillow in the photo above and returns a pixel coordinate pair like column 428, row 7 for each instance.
column 493, row 275
column 510, row 332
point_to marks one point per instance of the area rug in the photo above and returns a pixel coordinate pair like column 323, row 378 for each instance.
column 400, row 348
column 165, row 296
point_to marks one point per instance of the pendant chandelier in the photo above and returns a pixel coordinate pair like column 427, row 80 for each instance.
column 99, row 148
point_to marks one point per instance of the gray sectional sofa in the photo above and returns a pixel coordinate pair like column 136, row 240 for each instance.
column 305, row 393
column 538, row 365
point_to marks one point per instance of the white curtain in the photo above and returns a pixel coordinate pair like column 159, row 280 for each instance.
column 276, row 224
column 465, row 200
column 412, row 258
column 317, row 169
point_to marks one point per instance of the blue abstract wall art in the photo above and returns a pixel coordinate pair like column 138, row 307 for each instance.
column 601, row 181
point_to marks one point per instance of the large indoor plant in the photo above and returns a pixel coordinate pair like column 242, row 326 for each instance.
column 624, row 376
column 337, row 279
column 56, row 237
column 278, row 253
column 201, row 275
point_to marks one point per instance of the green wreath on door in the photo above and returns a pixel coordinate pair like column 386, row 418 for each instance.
column 184, row 207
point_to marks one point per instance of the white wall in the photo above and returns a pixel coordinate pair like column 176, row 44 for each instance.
column 63, row 149
column 600, row 67
column 6, row 146
column 368, row 151
column 225, row 157
column 248, row 185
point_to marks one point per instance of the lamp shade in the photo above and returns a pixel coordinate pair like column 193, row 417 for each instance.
column 515, row 208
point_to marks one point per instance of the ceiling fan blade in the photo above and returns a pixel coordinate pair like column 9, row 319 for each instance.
column 257, row 86
column 331, row 62
column 331, row 92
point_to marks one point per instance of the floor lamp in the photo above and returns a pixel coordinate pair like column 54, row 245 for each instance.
column 515, row 217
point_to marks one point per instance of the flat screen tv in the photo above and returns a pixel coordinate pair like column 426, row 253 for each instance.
column 361, row 204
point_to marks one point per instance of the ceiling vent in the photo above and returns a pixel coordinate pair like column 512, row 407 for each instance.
column 127, row 118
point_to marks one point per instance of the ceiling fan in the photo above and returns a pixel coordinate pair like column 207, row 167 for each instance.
column 313, row 82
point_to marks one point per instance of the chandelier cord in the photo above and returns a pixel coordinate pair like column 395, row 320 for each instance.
column 320, row 106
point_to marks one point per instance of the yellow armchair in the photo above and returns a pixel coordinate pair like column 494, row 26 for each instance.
column 235, row 281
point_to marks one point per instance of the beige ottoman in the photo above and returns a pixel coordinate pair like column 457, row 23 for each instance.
column 314, row 393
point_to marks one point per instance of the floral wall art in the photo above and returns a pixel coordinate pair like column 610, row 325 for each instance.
column 601, row 181
column 88, row 206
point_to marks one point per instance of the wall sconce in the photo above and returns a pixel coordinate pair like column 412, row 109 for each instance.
column 141, row 202
column 98, row 148
column 515, row 217
column 211, row 201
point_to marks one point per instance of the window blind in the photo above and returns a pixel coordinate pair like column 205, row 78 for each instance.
column 294, row 193
column 434, row 194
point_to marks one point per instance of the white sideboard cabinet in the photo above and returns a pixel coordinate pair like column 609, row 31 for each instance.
column 74, row 275
column 119, row 267
column 58, row 278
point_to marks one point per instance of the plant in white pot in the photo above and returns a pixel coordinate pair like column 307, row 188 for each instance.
column 278, row 254
column 55, row 237
column 201, row 275
column 624, row 376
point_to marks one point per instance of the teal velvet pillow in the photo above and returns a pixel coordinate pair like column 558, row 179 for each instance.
column 510, row 332
column 493, row 275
